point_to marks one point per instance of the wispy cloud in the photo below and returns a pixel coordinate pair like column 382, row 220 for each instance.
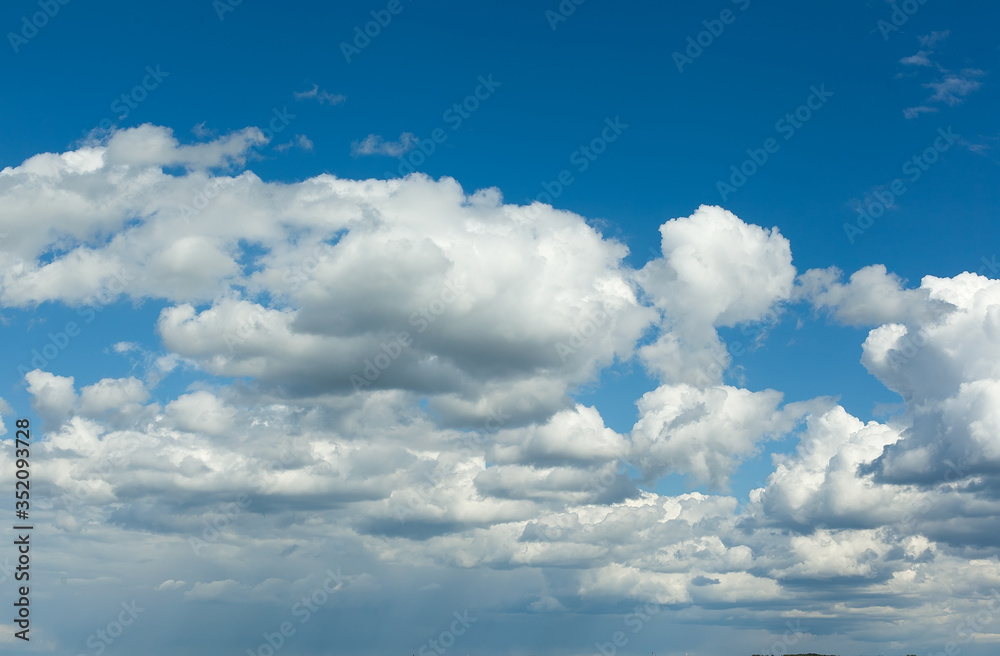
column 914, row 112
column 299, row 141
column 953, row 89
column 919, row 59
column 928, row 40
column 202, row 132
column 374, row 144
column 324, row 97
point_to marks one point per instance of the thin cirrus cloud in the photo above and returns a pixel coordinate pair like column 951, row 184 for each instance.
column 375, row 144
column 300, row 141
column 919, row 59
column 322, row 96
column 458, row 449
column 929, row 40
column 951, row 89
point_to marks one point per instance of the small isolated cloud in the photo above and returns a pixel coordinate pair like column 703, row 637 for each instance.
column 300, row 141
column 953, row 89
column 324, row 97
column 919, row 59
column 914, row 112
column 928, row 40
column 170, row 584
column 982, row 145
column 374, row 144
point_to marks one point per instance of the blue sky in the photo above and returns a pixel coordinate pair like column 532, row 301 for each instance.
column 709, row 298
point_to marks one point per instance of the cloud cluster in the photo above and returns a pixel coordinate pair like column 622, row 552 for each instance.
column 385, row 373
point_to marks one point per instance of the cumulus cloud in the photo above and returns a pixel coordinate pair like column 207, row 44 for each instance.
column 705, row 433
column 715, row 271
column 818, row 483
column 401, row 254
column 948, row 373
column 5, row 409
column 110, row 393
column 577, row 435
column 872, row 296
column 152, row 145
column 315, row 435
column 53, row 397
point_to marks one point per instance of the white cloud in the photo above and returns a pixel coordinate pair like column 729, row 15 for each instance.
column 300, row 141
column 914, row 112
column 374, row 144
column 619, row 582
column 871, row 296
column 929, row 40
column 704, row 433
column 719, row 270
column 919, row 59
column 152, row 145
column 509, row 308
column 201, row 412
column 322, row 96
column 951, row 88
column 954, row 87
column 170, row 584
column 111, row 393
column 948, row 372
column 716, row 270
column 5, row 409
column 818, row 484
column 53, row 396
column 576, row 435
